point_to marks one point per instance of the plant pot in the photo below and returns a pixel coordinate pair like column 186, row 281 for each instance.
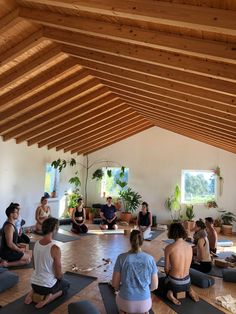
column 126, row 217
column 91, row 216
column 227, row 229
column 217, row 229
column 189, row 225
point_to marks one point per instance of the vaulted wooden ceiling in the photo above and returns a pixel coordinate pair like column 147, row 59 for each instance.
column 81, row 75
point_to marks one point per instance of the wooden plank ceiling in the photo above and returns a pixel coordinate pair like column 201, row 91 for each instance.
column 80, row 75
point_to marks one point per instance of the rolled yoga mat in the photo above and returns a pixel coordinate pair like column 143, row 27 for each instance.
column 189, row 306
column 215, row 271
column 109, row 298
column 77, row 283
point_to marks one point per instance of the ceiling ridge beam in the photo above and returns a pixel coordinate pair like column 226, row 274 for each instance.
column 10, row 19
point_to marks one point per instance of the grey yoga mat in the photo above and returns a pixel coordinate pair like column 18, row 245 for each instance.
column 154, row 234
column 215, row 271
column 109, row 300
column 77, row 283
column 189, row 306
column 65, row 238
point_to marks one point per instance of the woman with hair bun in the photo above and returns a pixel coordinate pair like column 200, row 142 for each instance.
column 135, row 276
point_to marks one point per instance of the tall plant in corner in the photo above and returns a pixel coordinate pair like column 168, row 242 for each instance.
column 173, row 204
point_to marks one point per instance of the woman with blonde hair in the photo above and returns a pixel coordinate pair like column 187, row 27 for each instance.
column 135, row 276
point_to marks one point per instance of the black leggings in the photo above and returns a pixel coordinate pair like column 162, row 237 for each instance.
column 204, row 267
column 61, row 285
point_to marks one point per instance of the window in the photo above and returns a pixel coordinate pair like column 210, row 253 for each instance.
column 198, row 186
column 109, row 186
column 51, row 184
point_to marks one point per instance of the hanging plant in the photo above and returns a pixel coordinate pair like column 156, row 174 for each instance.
column 98, row 175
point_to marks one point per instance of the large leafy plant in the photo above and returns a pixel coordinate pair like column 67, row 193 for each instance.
column 173, row 204
column 227, row 217
column 131, row 199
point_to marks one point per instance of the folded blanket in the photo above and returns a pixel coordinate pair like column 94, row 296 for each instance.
column 227, row 302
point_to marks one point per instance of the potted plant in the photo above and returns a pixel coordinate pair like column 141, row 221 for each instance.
column 173, row 204
column 217, row 225
column 227, row 222
column 131, row 201
column 92, row 212
column 211, row 204
column 189, row 224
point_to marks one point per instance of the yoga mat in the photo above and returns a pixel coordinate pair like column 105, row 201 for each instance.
column 225, row 243
column 109, row 298
column 64, row 238
column 101, row 232
column 189, row 306
column 169, row 241
column 161, row 262
column 223, row 255
column 154, row 234
column 77, row 283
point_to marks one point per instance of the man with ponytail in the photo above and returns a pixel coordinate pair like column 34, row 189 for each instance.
column 135, row 276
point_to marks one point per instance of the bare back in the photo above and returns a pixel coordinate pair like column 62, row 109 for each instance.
column 212, row 238
column 178, row 258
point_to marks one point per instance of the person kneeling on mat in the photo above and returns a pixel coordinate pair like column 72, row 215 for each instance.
column 178, row 257
column 47, row 278
column 108, row 215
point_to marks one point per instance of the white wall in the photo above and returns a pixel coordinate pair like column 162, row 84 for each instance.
column 156, row 157
column 22, row 174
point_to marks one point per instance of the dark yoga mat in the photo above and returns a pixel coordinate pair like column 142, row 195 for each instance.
column 109, row 298
column 215, row 272
column 189, row 306
column 77, row 283
column 154, row 234
column 65, row 238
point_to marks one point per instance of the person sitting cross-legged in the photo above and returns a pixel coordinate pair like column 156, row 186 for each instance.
column 78, row 218
column 178, row 257
column 47, row 279
column 145, row 221
column 211, row 234
column 108, row 215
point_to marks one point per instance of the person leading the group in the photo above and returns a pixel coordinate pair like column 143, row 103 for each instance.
column 135, row 276
column 108, row 215
column 145, row 221
column 47, row 278
column 78, row 218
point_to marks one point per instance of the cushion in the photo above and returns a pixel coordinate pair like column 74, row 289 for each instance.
column 82, row 307
column 229, row 274
column 200, row 279
column 7, row 280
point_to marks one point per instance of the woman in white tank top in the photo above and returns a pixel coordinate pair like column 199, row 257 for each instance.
column 47, row 279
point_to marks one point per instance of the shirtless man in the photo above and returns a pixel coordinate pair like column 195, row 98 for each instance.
column 211, row 234
column 178, row 257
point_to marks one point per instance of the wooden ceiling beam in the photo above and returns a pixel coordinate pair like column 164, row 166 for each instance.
column 97, row 147
column 193, row 135
column 142, row 88
column 38, row 82
column 212, row 50
column 155, row 71
column 165, row 117
column 24, row 45
column 172, row 103
column 54, row 118
column 157, row 14
column 125, row 123
column 149, row 55
column 89, row 119
column 168, row 107
column 96, row 124
column 65, row 95
column 76, row 108
column 10, row 19
column 43, row 57
column 111, row 138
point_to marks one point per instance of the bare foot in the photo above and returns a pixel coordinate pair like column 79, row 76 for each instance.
column 193, row 295
column 3, row 263
column 171, row 297
column 28, row 298
column 44, row 302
